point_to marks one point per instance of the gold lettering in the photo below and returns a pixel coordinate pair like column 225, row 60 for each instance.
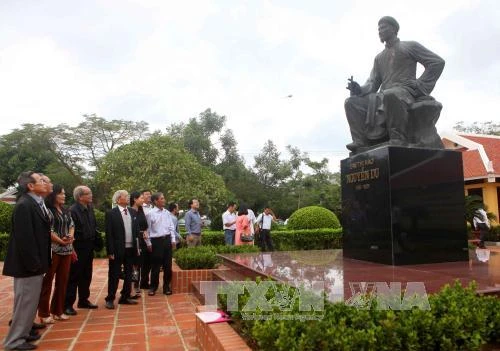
column 363, row 176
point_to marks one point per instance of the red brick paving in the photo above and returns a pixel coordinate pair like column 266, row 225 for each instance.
column 157, row 323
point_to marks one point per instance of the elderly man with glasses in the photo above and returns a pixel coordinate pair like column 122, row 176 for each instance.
column 85, row 238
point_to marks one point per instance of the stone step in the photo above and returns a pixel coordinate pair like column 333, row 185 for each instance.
column 489, row 292
column 228, row 275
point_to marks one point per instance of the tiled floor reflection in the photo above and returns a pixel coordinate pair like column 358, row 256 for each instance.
column 339, row 274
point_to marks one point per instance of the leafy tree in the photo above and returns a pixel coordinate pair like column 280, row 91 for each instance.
column 161, row 164
column 95, row 137
column 489, row 128
column 270, row 169
column 64, row 152
column 32, row 147
column 196, row 136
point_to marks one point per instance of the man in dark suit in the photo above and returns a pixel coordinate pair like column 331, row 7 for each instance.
column 86, row 237
column 28, row 258
column 121, row 245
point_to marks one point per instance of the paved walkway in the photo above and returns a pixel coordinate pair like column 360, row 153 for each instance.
column 157, row 323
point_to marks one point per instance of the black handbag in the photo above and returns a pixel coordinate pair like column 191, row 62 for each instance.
column 246, row 238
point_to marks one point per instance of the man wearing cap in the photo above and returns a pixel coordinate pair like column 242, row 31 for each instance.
column 379, row 110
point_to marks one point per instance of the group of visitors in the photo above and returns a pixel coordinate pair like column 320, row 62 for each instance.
column 49, row 241
column 241, row 227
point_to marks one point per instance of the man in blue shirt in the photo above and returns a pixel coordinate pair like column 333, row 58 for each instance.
column 193, row 224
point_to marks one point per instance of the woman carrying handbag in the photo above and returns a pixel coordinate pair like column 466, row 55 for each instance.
column 243, row 235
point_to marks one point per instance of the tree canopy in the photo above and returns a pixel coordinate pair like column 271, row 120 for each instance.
column 161, row 164
column 488, row 128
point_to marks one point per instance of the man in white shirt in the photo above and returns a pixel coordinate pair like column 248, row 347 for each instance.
column 162, row 234
column 481, row 223
column 229, row 223
column 264, row 222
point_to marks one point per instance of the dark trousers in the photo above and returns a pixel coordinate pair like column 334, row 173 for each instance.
column 265, row 241
column 114, row 271
column 483, row 232
column 145, row 265
column 161, row 257
column 80, row 276
column 60, row 269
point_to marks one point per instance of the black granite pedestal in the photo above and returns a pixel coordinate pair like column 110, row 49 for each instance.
column 404, row 206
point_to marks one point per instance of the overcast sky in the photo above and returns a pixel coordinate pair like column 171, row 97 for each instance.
column 166, row 61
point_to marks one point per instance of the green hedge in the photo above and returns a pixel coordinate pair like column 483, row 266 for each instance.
column 313, row 217
column 99, row 218
column 307, row 239
column 205, row 257
column 201, row 257
column 4, row 241
column 5, row 217
column 290, row 240
column 493, row 234
column 457, row 320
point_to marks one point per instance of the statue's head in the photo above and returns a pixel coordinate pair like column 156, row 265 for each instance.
column 388, row 28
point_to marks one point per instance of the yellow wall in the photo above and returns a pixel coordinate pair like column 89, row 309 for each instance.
column 490, row 197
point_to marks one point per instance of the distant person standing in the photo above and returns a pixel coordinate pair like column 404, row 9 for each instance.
column 192, row 222
column 481, row 223
column 28, row 258
column 264, row 221
column 229, row 223
column 86, row 235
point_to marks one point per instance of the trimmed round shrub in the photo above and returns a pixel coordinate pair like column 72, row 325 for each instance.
column 313, row 217
column 6, row 217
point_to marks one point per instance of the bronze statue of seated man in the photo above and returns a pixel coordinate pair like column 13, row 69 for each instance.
column 393, row 105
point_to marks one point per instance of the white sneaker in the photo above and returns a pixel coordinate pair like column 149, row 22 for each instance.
column 62, row 317
column 47, row 320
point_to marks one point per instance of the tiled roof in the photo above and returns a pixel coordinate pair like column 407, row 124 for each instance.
column 481, row 153
column 491, row 146
column 473, row 165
